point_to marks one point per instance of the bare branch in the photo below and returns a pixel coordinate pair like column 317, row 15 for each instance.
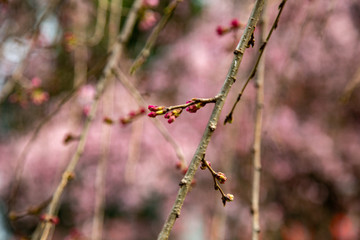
column 259, row 81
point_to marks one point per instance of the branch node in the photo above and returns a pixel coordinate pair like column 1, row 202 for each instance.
column 212, row 127
column 237, row 52
column 182, row 182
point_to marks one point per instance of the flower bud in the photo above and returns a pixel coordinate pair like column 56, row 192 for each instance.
column 152, row 114
column 221, row 177
column 229, row 197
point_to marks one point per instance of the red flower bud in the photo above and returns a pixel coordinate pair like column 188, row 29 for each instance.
column 235, row 23
column 152, row 114
column 171, row 119
column 220, row 30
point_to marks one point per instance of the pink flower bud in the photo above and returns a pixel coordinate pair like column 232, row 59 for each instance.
column 35, row 82
column 220, row 30
column 235, row 23
column 171, row 119
column 152, row 107
column 141, row 110
column 152, row 114
column 168, row 115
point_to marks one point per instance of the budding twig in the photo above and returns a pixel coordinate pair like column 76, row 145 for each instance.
column 173, row 112
column 229, row 117
column 218, row 177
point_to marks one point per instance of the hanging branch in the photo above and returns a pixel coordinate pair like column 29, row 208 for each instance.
column 229, row 117
column 47, row 227
column 218, row 177
column 114, row 20
column 214, row 118
column 259, row 84
column 145, row 52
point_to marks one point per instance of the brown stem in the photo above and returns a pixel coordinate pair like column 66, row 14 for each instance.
column 259, row 81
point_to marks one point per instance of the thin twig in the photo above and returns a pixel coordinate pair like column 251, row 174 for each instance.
column 47, row 227
column 217, row 177
column 259, row 83
column 214, row 118
column 100, row 23
column 139, row 99
column 100, row 179
column 229, row 117
column 145, row 52
column 114, row 20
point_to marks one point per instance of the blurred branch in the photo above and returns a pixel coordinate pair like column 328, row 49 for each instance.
column 350, row 86
column 134, row 151
column 100, row 23
column 20, row 161
column 114, row 20
column 229, row 117
column 100, row 179
column 145, row 52
column 46, row 228
column 17, row 75
column 259, row 83
column 139, row 99
column 214, row 118
column 34, row 210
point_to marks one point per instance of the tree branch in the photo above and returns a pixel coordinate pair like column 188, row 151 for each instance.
column 229, row 117
column 259, row 82
column 214, row 118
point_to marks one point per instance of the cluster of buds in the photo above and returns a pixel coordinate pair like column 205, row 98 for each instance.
column 47, row 218
column 193, row 108
column 131, row 116
column 233, row 26
column 218, row 177
column 172, row 112
column 171, row 115
column 31, row 93
column 127, row 119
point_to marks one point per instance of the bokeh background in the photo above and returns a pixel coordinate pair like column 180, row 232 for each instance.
column 311, row 133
